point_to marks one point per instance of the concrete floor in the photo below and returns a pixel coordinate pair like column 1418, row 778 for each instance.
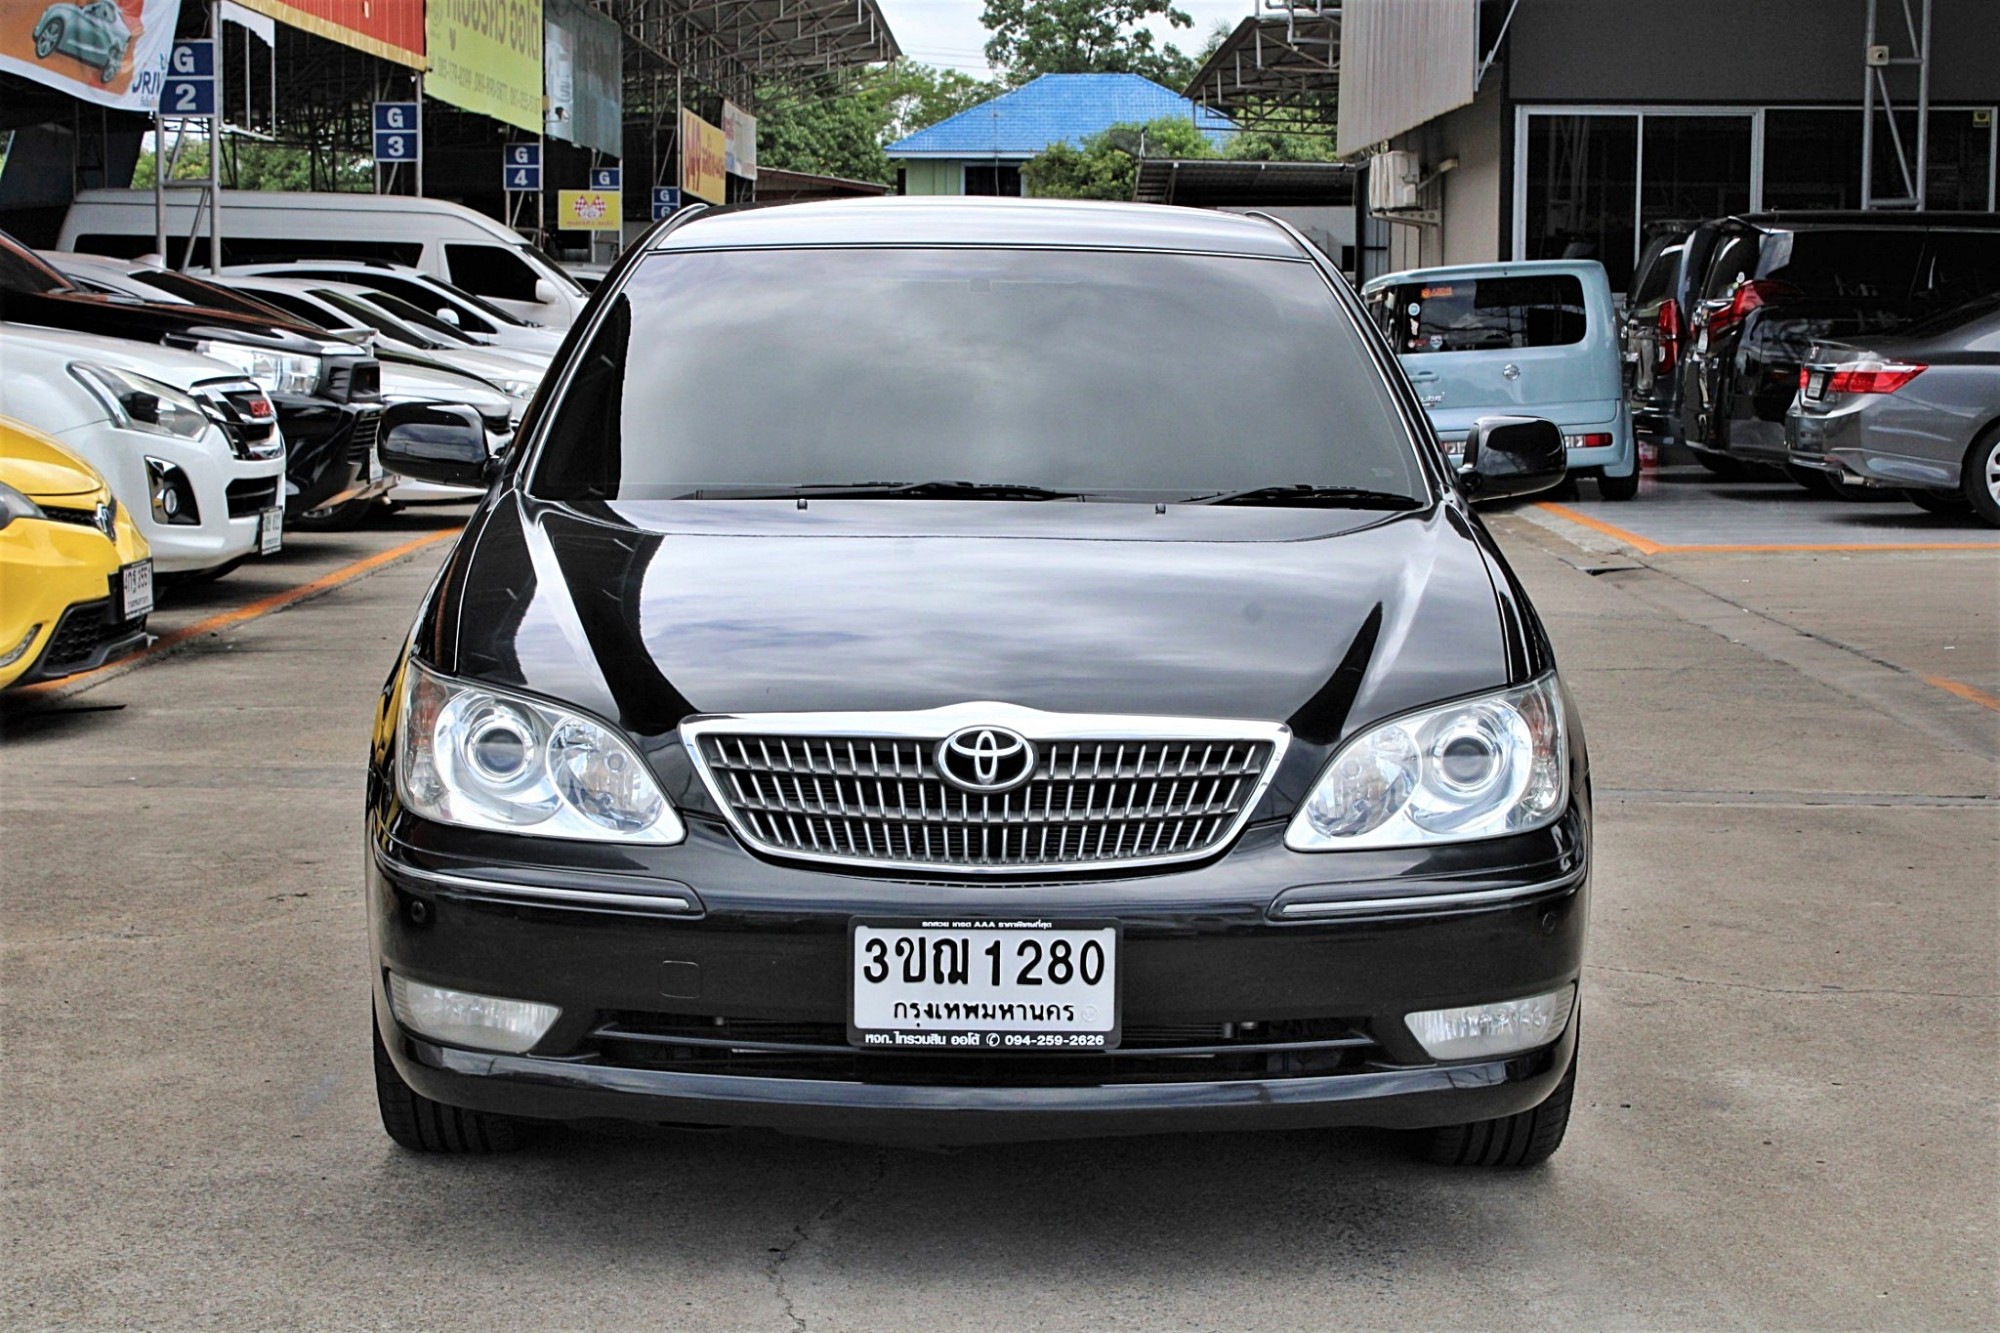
column 1786, row 1112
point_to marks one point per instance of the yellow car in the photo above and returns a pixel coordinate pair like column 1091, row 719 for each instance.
column 76, row 578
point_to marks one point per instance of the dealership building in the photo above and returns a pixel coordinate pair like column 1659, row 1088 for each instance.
column 1534, row 129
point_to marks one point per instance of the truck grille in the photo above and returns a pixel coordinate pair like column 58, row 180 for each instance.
column 251, row 494
column 1090, row 801
column 361, row 444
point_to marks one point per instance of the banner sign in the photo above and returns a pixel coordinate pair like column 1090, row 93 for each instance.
column 589, row 210
column 391, row 29
column 584, row 60
column 740, row 127
column 398, row 132
column 704, row 157
column 486, row 56
column 111, row 52
column 190, row 86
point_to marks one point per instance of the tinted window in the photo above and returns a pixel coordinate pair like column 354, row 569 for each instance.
column 1482, row 314
column 491, row 270
column 1075, row 371
column 1735, row 258
column 1964, row 265
column 415, row 292
column 1656, row 273
column 299, row 308
column 1877, row 266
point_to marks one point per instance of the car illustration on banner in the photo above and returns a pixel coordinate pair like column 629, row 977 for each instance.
column 95, row 34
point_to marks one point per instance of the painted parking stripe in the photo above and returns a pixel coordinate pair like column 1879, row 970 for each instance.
column 1646, row 547
column 1964, row 691
column 222, row 620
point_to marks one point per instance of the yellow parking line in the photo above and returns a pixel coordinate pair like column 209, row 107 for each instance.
column 222, row 620
column 1964, row 691
column 1645, row 547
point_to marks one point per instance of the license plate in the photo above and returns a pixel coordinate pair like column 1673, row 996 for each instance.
column 135, row 589
column 989, row 984
column 270, row 531
column 1816, row 385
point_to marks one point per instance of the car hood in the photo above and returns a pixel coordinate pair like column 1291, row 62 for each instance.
column 42, row 469
column 646, row 612
column 41, row 350
column 406, row 380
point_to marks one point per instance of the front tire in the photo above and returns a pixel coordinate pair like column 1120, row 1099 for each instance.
column 1949, row 503
column 1512, row 1141
column 1980, row 477
column 422, row 1125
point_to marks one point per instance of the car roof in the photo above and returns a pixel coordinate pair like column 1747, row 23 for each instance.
column 1582, row 268
column 942, row 220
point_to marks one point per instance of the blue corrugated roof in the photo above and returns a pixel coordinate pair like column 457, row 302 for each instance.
column 1055, row 108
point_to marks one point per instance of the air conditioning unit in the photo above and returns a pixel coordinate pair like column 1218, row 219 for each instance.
column 1392, row 181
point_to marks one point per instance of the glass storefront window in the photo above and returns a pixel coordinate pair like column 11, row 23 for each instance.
column 1581, row 173
column 1694, row 168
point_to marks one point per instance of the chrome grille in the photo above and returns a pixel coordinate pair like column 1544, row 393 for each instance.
column 877, row 797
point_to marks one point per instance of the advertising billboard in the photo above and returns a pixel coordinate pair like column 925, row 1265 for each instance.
column 391, row 29
column 112, row 52
column 740, row 128
column 589, row 210
column 486, row 56
column 704, row 158
column 584, row 59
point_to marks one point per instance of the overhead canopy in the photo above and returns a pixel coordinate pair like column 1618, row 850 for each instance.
column 1218, row 183
column 1276, row 68
column 1403, row 62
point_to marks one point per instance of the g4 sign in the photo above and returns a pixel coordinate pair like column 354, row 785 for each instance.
column 398, row 132
column 521, row 167
column 190, row 86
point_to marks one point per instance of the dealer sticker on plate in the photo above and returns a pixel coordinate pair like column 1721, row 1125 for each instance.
column 984, row 983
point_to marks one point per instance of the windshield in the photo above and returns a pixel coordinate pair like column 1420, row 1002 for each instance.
column 366, row 313
column 1076, row 372
column 396, row 307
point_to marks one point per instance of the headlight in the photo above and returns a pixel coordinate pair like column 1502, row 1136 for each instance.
column 277, row 372
column 482, row 758
column 138, row 403
column 1478, row 768
column 15, row 505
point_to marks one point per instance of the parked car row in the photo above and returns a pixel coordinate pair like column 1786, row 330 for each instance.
column 1856, row 351
column 221, row 408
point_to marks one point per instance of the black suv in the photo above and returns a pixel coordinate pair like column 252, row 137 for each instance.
column 327, row 393
column 900, row 686
column 1773, row 284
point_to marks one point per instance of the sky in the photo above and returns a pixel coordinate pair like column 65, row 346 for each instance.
column 947, row 32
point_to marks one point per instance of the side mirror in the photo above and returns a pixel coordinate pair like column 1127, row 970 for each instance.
column 1512, row 456
column 437, row 442
column 448, row 315
column 545, row 292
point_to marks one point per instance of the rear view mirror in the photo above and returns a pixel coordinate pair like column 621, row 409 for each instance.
column 545, row 292
column 1512, row 456
column 448, row 315
column 436, row 442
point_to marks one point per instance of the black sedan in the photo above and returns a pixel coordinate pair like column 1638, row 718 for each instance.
column 967, row 670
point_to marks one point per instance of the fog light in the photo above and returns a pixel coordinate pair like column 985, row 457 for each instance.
column 13, row 655
column 1501, row 1028
column 460, row 1018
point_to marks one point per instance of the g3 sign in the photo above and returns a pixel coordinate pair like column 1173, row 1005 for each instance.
column 398, row 132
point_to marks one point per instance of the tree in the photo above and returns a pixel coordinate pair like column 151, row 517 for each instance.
column 1107, row 165
column 248, row 165
column 1036, row 37
column 839, row 124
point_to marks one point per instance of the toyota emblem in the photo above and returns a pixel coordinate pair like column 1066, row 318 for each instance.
column 986, row 760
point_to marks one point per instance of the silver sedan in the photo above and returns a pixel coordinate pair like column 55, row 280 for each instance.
column 1919, row 412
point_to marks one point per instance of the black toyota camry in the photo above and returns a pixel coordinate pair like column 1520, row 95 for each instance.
column 958, row 670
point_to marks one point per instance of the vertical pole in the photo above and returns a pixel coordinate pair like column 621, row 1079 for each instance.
column 160, row 168
column 215, row 145
column 541, row 185
column 420, row 134
column 1924, row 109
column 1868, row 111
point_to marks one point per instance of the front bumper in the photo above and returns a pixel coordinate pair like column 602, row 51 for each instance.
column 1261, row 990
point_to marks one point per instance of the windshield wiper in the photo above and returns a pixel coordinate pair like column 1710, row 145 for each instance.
column 1319, row 497
column 890, row 490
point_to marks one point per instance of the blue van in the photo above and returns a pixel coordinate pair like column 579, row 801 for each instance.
column 1538, row 338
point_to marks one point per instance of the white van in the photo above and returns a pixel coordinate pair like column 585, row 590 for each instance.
column 449, row 241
